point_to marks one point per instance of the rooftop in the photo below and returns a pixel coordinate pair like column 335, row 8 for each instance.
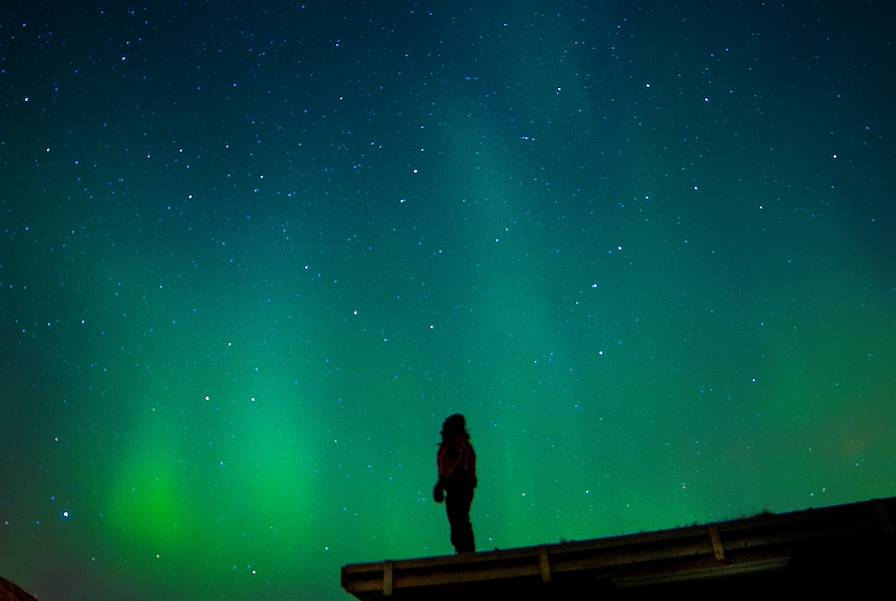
column 807, row 550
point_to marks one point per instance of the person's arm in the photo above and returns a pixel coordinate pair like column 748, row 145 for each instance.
column 438, row 491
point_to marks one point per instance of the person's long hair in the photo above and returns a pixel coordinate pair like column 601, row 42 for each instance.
column 453, row 424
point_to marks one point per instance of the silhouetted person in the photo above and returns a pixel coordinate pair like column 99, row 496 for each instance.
column 457, row 479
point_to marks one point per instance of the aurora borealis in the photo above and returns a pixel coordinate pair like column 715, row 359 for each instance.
column 252, row 254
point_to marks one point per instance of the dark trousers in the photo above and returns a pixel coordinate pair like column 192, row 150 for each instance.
column 457, row 504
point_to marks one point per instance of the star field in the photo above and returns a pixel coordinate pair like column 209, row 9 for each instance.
column 253, row 254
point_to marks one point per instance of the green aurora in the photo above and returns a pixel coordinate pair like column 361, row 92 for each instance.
column 252, row 254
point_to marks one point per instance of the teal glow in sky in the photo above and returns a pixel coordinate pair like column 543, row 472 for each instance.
column 253, row 254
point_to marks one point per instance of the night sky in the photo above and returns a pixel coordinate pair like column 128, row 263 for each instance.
column 253, row 254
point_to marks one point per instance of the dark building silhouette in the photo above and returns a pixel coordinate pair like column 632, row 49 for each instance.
column 846, row 549
column 10, row 591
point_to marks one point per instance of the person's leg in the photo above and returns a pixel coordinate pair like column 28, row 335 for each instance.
column 467, row 542
column 454, row 517
column 458, row 507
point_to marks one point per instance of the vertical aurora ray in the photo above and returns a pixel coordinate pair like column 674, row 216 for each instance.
column 251, row 257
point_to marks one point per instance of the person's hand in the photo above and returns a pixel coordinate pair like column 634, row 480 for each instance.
column 438, row 493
